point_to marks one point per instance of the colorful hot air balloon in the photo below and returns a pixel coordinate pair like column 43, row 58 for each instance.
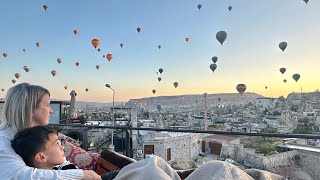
column 187, row 39
column 284, row 80
column 75, row 32
column 95, row 43
column 17, row 75
column 230, row 8
column 159, row 79
column 5, row 55
column 45, row 7
column 160, row 70
column 154, row 91
column 109, row 57
column 97, row 66
column 214, row 59
column 77, row 63
column 38, row 44
column 296, row 77
column 241, row 88
column 138, row 29
column 59, row 60
column 87, row 89
column 158, row 107
column 221, row 36
column 159, row 46
column 175, row 84
column 213, row 67
column 283, row 70
column 53, row 72
column 121, row 45
column 26, row 68
column 199, row 6
column 65, row 87
column 13, row 81
column 283, row 46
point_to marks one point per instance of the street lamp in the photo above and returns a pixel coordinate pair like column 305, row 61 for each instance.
column 111, row 145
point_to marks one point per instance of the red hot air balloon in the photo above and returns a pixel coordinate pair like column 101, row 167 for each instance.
column 95, row 43
column 109, row 57
column 187, row 39
column 77, row 63
column 241, row 88
column 75, row 32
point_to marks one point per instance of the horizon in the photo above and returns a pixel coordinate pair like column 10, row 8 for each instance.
column 250, row 54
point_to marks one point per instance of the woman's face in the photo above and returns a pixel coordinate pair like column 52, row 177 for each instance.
column 41, row 115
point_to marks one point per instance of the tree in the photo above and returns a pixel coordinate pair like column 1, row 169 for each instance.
column 146, row 114
column 82, row 119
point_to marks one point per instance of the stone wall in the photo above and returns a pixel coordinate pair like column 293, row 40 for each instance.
column 310, row 162
column 280, row 159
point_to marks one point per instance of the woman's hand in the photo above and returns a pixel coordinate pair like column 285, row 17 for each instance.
column 90, row 175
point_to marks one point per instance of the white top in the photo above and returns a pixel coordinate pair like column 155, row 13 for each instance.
column 12, row 165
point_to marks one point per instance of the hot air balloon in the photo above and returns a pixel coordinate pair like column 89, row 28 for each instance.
column 296, row 77
column 283, row 70
column 38, row 44
column 266, row 87
column 160, row 70
column 104, row 56
column 97, row 66
column 121, row 45
column 284, row 80
column 306, row 1
column 138, row 29
column 5, row 55
column 159, row 46
column 59, row 60
column 53, row 72
column 99, row 49
column 230, row 8
column 214, row 59
column 187, row 39
column 13, row 81
column 159, row 79
column 175, row 84
column 241, row 88
column 109, row 57
column 87, row 89
column 2, row 90
column 24, row 50
column 199, row 6
column 283, row 46
column 17, row 75
column 221, row 36
column 65, row 87
column 77, row 63
column 45, row 7
column 95, row 43
column 213, row 67
column 154, row 91
column 75, row 32
column 158, row 107
column 26, row 68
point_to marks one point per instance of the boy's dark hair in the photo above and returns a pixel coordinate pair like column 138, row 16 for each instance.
column 29, row 141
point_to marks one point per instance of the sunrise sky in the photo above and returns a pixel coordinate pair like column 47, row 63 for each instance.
column 250, row 54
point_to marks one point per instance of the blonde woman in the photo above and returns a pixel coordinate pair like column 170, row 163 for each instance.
column 28, row 106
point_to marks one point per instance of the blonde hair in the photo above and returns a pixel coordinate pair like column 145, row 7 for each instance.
column 19, row 104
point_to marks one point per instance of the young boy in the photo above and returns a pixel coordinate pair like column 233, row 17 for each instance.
column 40, row 147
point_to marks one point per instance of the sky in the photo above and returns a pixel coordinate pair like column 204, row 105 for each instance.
column 250, row 55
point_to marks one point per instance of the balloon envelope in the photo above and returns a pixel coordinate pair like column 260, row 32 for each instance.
column 230, row 8
column 59, row 60
column 17, row 75
column 45, row 7
column 75, row 32
column 159, row 79
column 109, row 57
column 306, row 1
column 221, row 36
column 87, row 89
column 199, row 6
column 95, row 43
column 53, row 72
column 138, row 29
column 154, row 91
column 97, row 66
column 77, row 63
column 214, row 59
column 213, row 67
column 158, row 107
column 283, row 70
column 284, row 80
column 175, row 84
column 283, row 45
column 38, row 44
column 296, row 77
column 241, row 88
column 13, row 81
column 5, row 55
column 160, row 70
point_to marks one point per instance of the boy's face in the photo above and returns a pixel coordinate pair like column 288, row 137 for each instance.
column 53, row 154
